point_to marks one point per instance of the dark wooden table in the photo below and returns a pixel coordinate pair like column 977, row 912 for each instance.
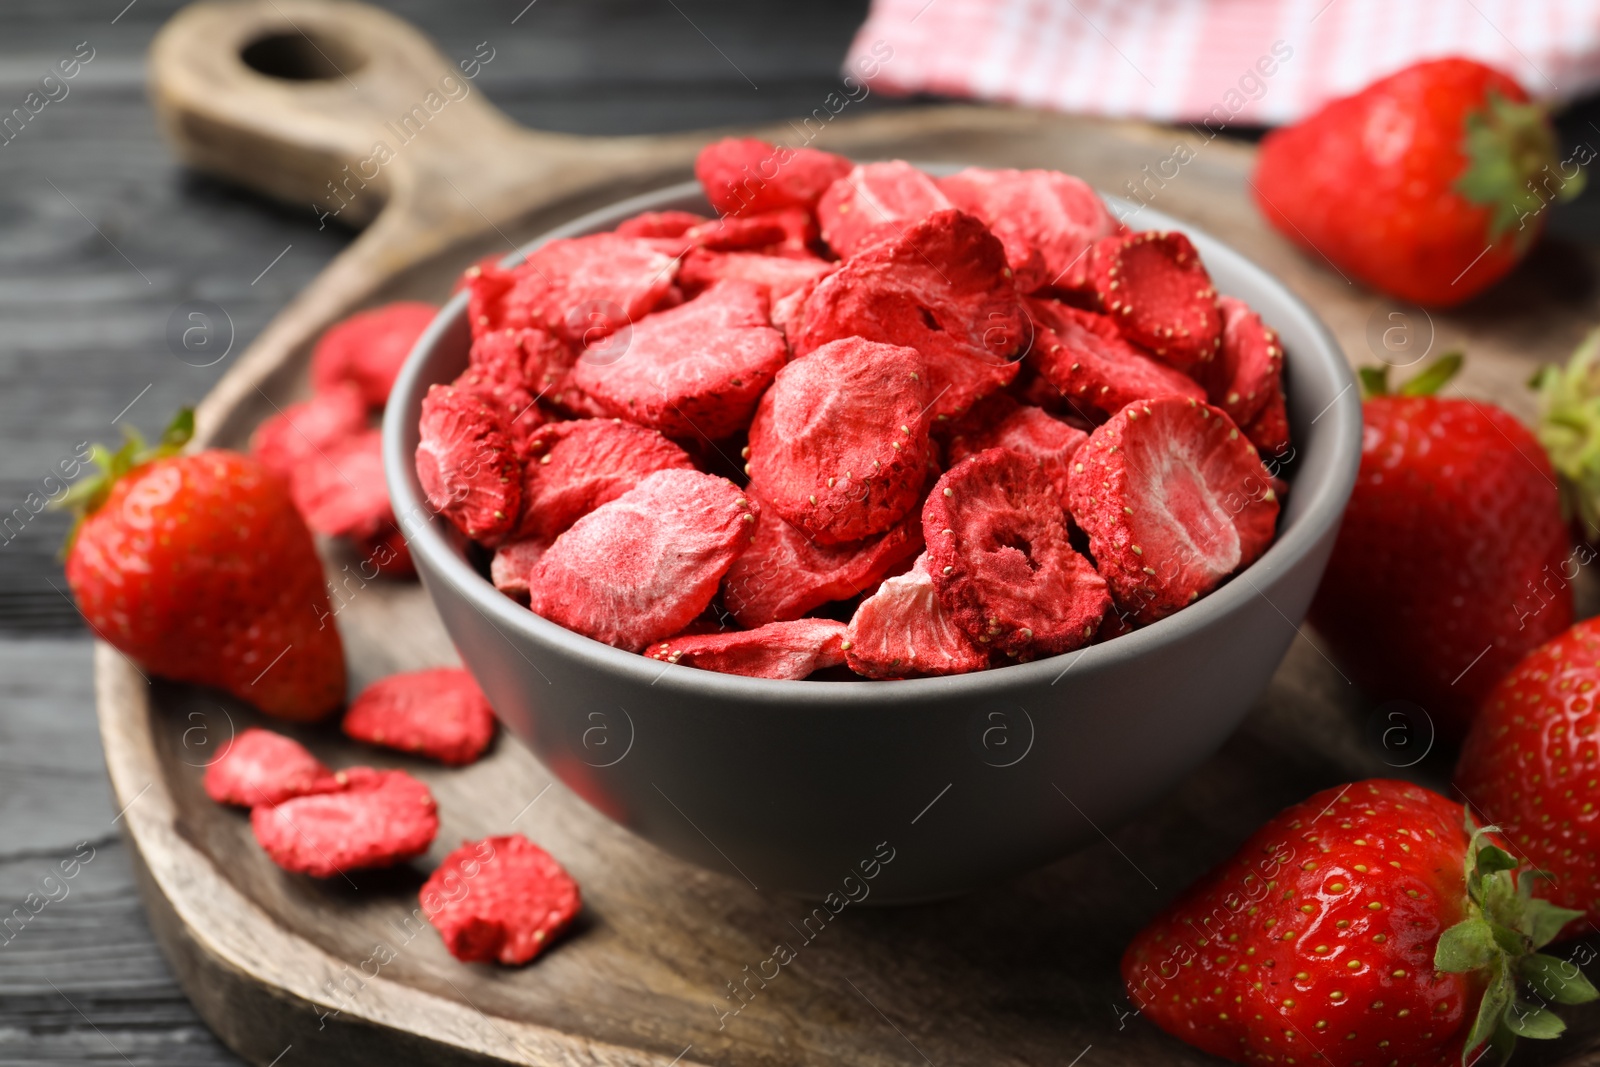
column 102, row 236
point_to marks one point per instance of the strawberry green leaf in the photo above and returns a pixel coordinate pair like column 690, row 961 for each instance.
column 1544, row 921
column 1526, row 1020
column 1466, row 946
column 1492, row 858
column 1434, row 377
column 1569, row 429
column 1374, row 381
column 1511, row 155
column 1497, row 997
column 1557, row 980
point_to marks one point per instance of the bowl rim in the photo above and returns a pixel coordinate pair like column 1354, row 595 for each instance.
column 424, row 532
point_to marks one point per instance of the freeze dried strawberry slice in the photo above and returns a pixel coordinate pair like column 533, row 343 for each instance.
column 341, row 491
column 1097, row 372
column 942, row 288
column 439, row 713
column 696, row 370
column 466, row 465
column 875, row 202
column 1269, row 430
column 839, row 444
column 1174, row 499
column 1250, row 364
column 1047, row 220
column 1157, row 291
column 387, row 552
column 640, row 568
column 778, row 276
column 791, row 231
column 660, row 224
column 499, row 900
column 574, row 467
column 1001, row 562
column 369, row 347
column 300, row 431
column 903, row 630
column 519, row 411
column 530, row 357
column 784, row 573
column 1027, row 431
column 513, row 562
column 262, row 767
column 378, row 819
column 744, row 175
column 579, row 288
column 780, row 650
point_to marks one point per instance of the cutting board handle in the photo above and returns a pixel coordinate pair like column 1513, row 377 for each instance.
column 339, row 106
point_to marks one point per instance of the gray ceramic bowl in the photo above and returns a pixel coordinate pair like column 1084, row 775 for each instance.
column 806, row 787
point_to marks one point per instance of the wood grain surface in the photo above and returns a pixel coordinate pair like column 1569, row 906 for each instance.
column 1022, row 973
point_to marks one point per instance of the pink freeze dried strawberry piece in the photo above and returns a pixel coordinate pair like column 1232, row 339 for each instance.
column 1269, row 430
column 942, row 288
column 1250, row 365
column 439, row 713
column 778, row 276
column 530, row 357
column 388, row 552
column 499, row 900
column 300, row 431
column 519, row 411
column 263, row 767
column 745, row 175
column 660, row 224
column 791, row 231
column 696, row 370
column 574, row 467
column 1027, row 431
column 1174, row 499
column 579, row 288
column 513, row 562
column 875, row 202
column 903, row 630
column 369, row 347
column 466, row 464
column 640, row 568
column 1001, row 562
column 341, row 491
column 378, row 819
column 1046, row 220
column 839, row 444
column 1157, row 291
column 1085, row 357
column 784, row 574
column 786, row 651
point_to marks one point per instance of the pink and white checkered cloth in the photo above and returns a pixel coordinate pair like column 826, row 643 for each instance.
column 1230, row 61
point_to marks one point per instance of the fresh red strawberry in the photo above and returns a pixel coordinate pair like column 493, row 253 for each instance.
column 1369, row 924
column 1529, row 765
column 1174, row 500
column 199, row 569
column 1429, row 184
column 1440, row 580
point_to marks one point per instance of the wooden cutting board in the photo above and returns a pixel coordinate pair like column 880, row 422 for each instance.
column 294, row 972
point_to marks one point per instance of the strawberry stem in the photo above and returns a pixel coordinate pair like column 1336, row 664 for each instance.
column 1428, row 381
column 86, row 496
column 1504, row 927
column 1569, row 429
